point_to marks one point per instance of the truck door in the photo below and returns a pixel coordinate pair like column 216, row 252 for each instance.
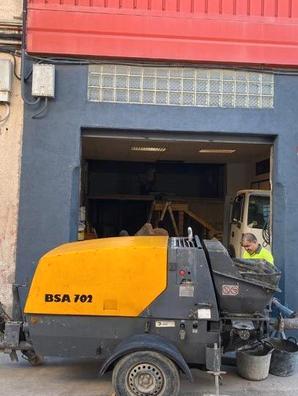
column 236, row 226
column 258, row 218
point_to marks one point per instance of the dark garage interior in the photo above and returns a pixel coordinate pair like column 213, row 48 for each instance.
column 126, row 183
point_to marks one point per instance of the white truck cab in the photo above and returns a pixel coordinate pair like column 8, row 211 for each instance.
column 250, row 213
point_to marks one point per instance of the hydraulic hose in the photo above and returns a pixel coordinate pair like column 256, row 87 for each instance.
column 289, row 313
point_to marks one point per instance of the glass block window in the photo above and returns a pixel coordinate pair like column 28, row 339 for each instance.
column 179, row 86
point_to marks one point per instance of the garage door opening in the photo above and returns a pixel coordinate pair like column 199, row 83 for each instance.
column 127, row 181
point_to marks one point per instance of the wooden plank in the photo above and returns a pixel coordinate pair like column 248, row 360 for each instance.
column 204, row 223
column 180, row 222
column 165, row 207
column 175, row 206
column 151, row 212
column 173, row 220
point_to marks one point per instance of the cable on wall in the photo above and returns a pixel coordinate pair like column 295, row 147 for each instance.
column 5, row 118
column 42, row 110
column 85, row 61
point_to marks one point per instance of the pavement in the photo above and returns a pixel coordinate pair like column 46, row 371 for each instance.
column 61, row 377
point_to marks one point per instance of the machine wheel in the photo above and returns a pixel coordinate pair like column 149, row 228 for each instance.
column 146, row 373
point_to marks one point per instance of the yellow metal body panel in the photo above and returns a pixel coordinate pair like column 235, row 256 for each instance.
column 106, row 277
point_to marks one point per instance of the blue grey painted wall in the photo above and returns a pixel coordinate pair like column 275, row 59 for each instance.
column 49, row 197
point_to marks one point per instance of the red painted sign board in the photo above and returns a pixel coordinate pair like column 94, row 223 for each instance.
column 222, row 31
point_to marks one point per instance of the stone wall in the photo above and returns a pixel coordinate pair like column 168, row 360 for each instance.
column 10, row 155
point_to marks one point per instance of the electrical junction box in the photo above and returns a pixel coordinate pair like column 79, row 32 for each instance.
column 43, row 80
column 5, row 80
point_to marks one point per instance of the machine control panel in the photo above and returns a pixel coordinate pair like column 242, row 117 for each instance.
column 183, row 274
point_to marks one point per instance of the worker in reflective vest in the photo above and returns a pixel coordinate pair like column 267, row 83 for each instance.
column 253, row 250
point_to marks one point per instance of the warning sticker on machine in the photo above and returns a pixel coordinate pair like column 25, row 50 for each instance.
column 230, row 290
column 165, row 323
column 186, row 290
column 204, row 313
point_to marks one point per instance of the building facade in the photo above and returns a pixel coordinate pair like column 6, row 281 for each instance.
column 11, row 127
column 211, row 74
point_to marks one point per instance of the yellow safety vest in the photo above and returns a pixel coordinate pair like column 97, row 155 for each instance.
column 260, row 254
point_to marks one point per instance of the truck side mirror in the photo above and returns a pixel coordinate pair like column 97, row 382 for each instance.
column 237, row 222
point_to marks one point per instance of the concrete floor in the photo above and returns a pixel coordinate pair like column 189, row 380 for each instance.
column 60, row 377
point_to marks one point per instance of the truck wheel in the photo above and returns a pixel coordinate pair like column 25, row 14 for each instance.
column 146, row 373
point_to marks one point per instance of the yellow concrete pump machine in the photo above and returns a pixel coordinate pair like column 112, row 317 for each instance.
column 147, row 307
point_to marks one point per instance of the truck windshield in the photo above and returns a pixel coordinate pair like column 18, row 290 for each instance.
column 258, row 211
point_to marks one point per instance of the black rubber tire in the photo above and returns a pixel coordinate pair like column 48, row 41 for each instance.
column 159, row 373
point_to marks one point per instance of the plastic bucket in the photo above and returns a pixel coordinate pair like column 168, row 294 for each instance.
column 284, row 357
column 253, row 364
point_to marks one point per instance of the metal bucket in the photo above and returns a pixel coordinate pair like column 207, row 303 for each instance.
column 284, row 357
column 253, row 364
